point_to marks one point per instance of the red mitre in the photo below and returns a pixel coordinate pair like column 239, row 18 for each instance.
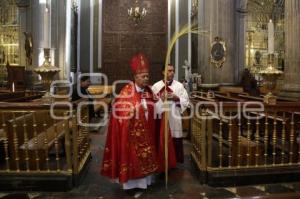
column 139, row 64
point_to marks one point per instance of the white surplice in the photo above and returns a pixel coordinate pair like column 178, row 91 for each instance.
column 175, row 110
column 141, row 183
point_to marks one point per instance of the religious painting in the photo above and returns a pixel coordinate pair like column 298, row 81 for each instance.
column 218, row 52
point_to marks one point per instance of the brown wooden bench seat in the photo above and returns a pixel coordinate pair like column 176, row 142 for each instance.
column 41, row 137
column 3, row 118
column 100, row 89
column 20, row 96
column 244, row 145
column 250, row 98
column 201, row 96
column 10, row 95
column 277, row 118
column 106, row 91
column 228, row 98
column 48, row 135
column 232, row 91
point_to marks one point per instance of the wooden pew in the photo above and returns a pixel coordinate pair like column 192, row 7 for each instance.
column 263, row 146
column 36, row 138
column 4, row 117
column 261, row 98
column 29, row 163
column 6, row 96
column 279, row 119
column 228, row 98
column 25, row 98
column 218, row 97
column 231, row 142
column 250, row 98
column 106, row 91
column 200, row 96
column 20, row 96
column 282, row 120
column 232, row 91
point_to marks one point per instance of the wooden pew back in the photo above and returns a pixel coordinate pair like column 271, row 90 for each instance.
column 106, row 91
column 232, row 91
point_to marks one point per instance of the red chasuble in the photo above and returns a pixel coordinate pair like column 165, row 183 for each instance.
column 130, row 151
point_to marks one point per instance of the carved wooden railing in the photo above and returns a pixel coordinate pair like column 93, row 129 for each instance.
column 232, row 137
column 43, row 139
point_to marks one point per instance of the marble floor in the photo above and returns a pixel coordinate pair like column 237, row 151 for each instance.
column 182, row 184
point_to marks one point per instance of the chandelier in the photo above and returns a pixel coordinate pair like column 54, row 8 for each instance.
column 136, row 14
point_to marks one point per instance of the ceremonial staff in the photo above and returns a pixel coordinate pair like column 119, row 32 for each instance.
column 185, row 30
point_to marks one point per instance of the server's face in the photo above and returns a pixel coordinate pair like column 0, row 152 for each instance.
column 170, row 72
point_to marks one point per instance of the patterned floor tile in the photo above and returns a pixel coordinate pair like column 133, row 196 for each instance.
column 248, row 191
column 278, row 188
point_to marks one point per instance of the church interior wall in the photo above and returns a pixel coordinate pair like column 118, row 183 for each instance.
column 217, row 18
column 122, row 39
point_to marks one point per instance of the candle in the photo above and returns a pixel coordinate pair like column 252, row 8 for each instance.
column 130, row 11
column 270, row 37
column 13, row 87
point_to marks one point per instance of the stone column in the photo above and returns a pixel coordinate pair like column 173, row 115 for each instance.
column 58, row 37
column 183, row 42
column 217, row 17
column 49, row 31
column 84, row 35
column 241, row 13
column 37, row 31
column 25, row 26
column 204, row 23
column 292, row 58
column 23, row 22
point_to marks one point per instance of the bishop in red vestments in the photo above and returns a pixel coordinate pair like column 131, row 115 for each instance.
column 130, row 154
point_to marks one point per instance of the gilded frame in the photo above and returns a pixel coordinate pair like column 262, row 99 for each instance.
column 218, row 52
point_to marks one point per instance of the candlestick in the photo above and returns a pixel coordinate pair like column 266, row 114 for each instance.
column 270, row 37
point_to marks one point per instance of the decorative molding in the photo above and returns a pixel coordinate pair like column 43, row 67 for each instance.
column 195, row 6
column 74, row 6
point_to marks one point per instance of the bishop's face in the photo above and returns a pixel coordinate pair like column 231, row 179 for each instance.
column 142, row 79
